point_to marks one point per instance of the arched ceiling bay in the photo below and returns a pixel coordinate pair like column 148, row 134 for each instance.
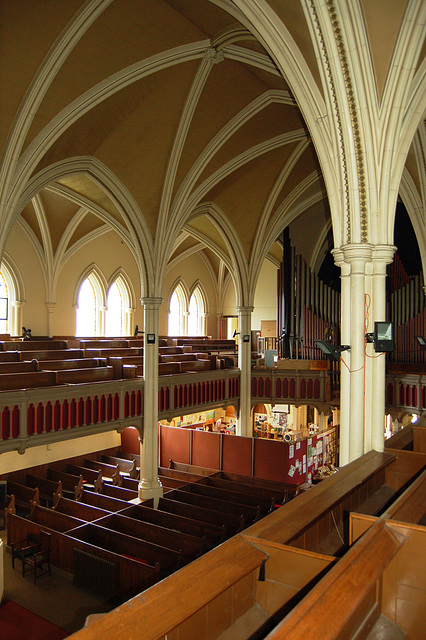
column 182, row 107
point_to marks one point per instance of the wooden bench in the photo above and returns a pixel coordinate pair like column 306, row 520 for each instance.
column 410, row 506
column 232, row 523
column 261, row 504
column 276, row 496
column 102, row 501
column 53, row 520
column 53, row 354
column 27, row 380
column 79, row 510
column 128, row 467
column 213, row 534
column 250, row 513
column 21, row 498
column 92, row 479
column 84, row 375
column 22, row 366
column 10, row 356
column 120, row 493
column 33, row 345
column 49, row 490
column 189, row 546
column 317, row 520
column 72, row 485
column 70, row 363
column 109, row 472
column 348, row 597
column 144, row 552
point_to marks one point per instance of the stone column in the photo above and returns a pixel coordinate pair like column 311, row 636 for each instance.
column 15, row 327
column 345, row 337
column 382, row 256
column 50, row 306
column 244, row 364
column 357, row 255
column 130, row 321
column 149, row 485
column 100, row 331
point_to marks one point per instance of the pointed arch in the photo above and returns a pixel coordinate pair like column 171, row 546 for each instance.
column 120, row 303
column 15, row 296
column 90, row 318
column 197, row 310
column 178, row 308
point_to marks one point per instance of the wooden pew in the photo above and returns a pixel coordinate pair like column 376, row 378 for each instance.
column 275, row 497
column 50, row 490
column 84, row 376
column 109, row 472
column 233, row 523
column 251, row 514
column 92, row 479
column 189, row 546
column 214, row 534
column 145, row 552
column 81, row 363
column 129, row 467
column 53, row 520
column 348, row 598
column 72, row 485
column 27, row 380
column 262, row 505
column 10, row 356
column 410, row 506
column 114, row 491
column 79, row 510
column 23, row 497
column 102, row 501
column 179, row 475
column 19, row 366
column 317, row 520
column 52, row 354
column 289, row 490
column 34, row 345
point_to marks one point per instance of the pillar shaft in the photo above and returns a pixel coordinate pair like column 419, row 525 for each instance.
column 244, row 364
column 382, row 256
column 149, row 485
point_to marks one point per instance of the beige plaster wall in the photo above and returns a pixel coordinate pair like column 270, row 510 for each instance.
column 191, row 270
column 21, row 251
column 108, row 253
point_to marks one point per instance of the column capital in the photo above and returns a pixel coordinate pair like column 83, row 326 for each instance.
column 357, row 254
column 152, row 303
column 18, row 303
column 50, row 305
column 245, row 310
column 383, row 253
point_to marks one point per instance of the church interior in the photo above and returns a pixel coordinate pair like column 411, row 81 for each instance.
column 212, row 315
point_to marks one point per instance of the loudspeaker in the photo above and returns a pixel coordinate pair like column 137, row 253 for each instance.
column 287, row 437
column 3, row 491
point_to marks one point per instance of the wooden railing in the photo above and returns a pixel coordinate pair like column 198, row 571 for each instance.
column 286, row 386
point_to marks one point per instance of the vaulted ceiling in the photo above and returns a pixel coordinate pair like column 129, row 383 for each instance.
column 178, row 106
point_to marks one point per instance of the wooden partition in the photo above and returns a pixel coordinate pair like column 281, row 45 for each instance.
column 279, row 461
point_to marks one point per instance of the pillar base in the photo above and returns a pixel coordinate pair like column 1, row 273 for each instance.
column 148, row 490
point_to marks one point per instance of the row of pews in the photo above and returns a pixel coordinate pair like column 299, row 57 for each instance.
column 97, row 524
column 49, row 362
column 345, row 560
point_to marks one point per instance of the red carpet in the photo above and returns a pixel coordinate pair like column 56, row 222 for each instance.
column 17, row 623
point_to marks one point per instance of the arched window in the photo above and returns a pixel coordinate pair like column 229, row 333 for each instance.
column 117, row 318
column 177, row 312
column 86, row 316
column 11, row 292
column 196, row 318
column 4, row 305
column 175, row 316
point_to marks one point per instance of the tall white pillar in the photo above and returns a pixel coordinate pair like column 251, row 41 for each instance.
column 15, row 327
column 149, row 484
column 382, row 256
column 345, row 338
column 244, row 364
column 357, row 255
column 50, row 307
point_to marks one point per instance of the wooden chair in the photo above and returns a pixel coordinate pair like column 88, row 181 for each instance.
column 37, row 561
column 22, row 549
